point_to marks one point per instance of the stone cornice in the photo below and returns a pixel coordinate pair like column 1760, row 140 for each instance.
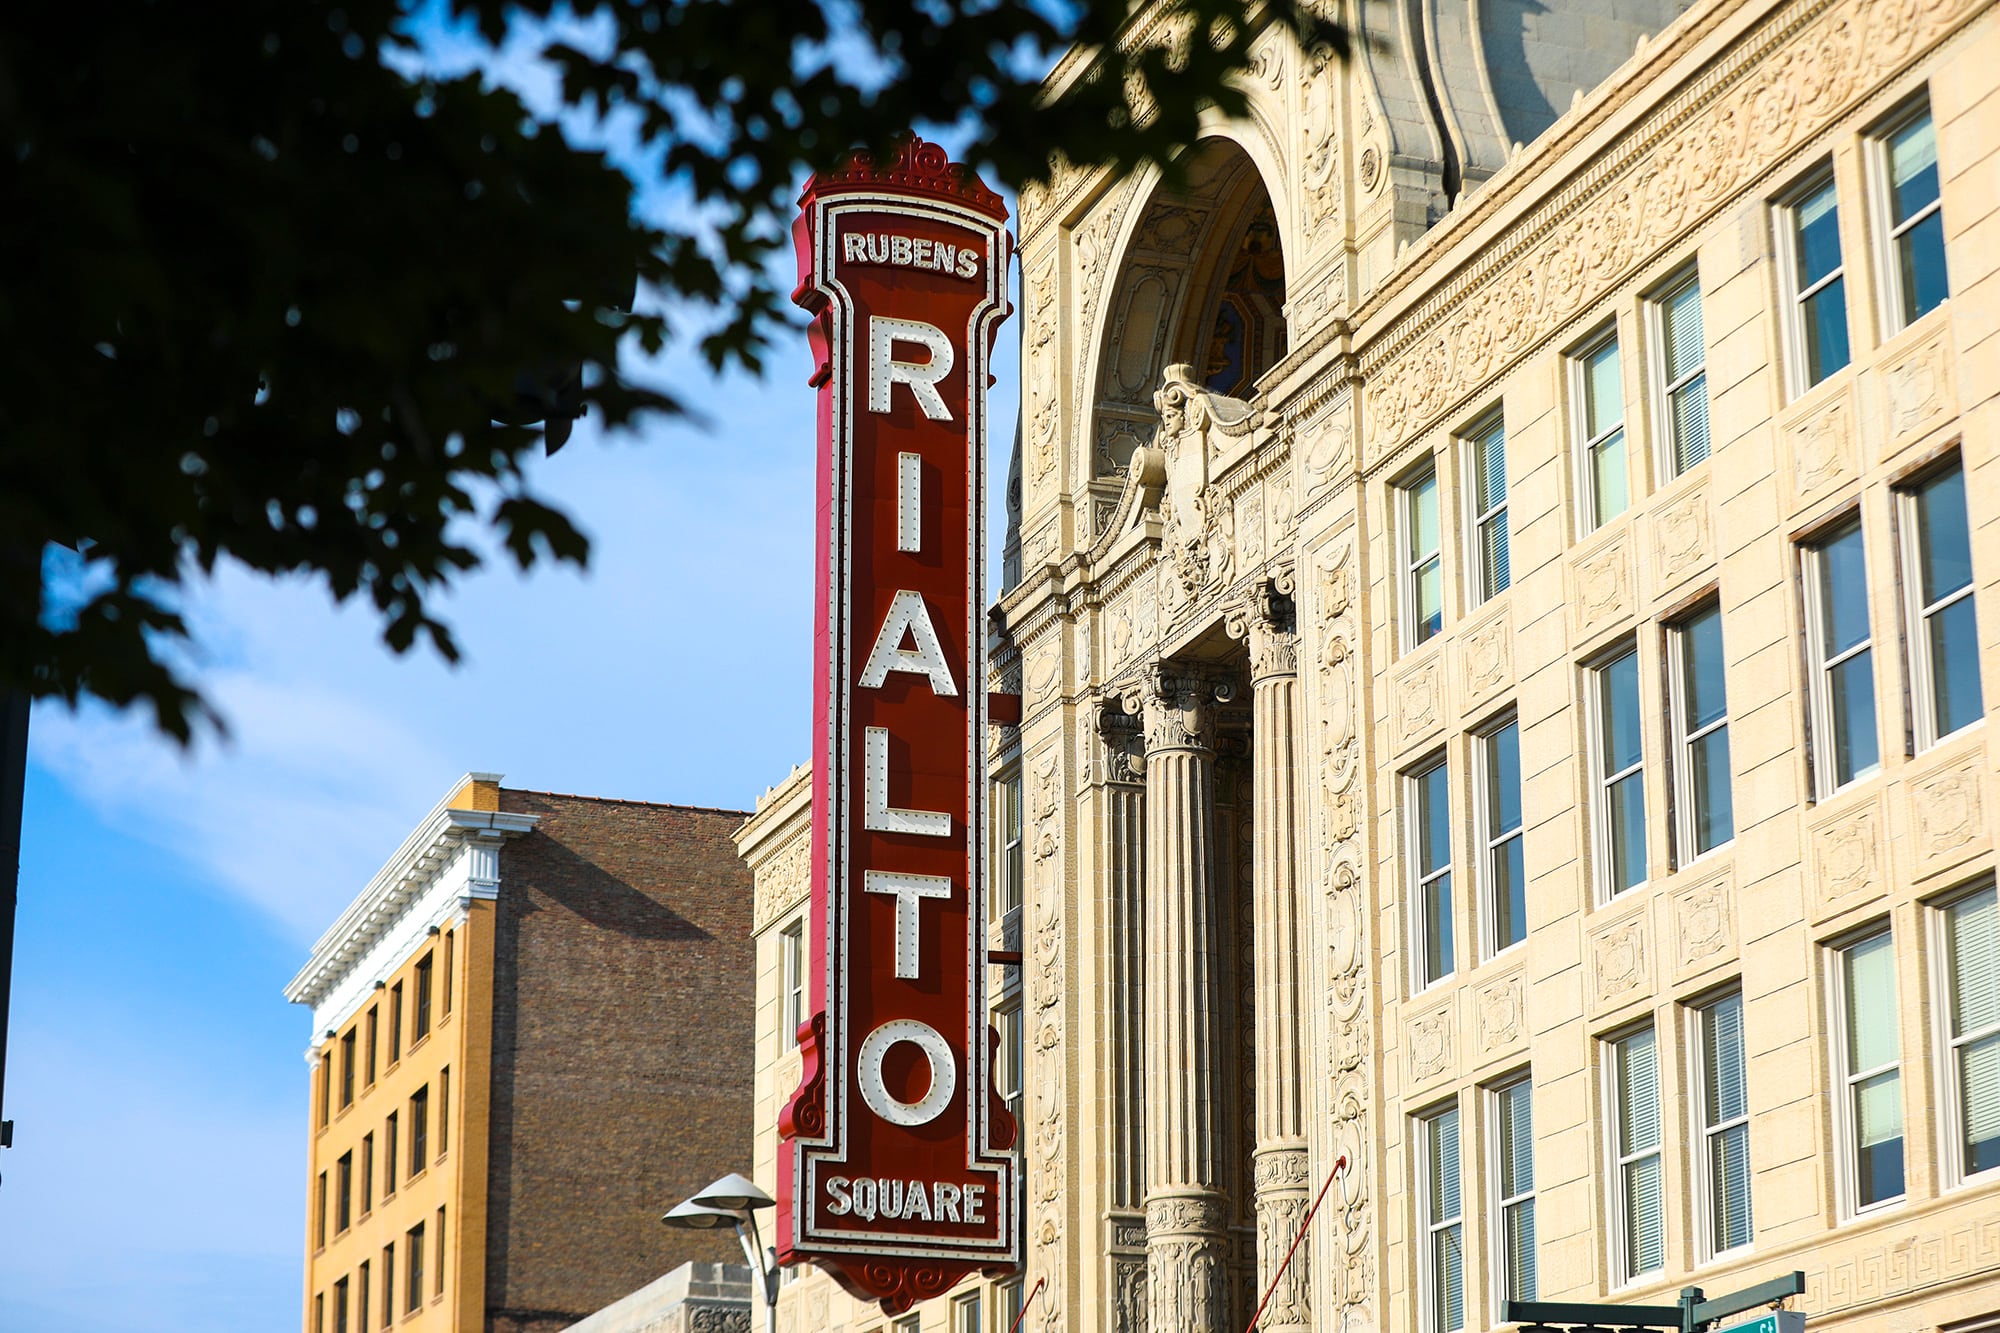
column 776, row 843
column 400, row 886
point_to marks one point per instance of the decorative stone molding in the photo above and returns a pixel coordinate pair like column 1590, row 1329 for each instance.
column 1704, row 917
column 1820, row 444
column 1269, row 622
column 1429, row 1040
column 1178, row 703
column 1683, row 542
column 1485, row 661
column 1042, row 1018
column 1500, row 1016
column 1850, row 855
column 1601, row 595
column 1917, row 391
column 783, row 883
column 1763, row 99
column 1925, row 1253
column 1198, row 428
column 1418, row 702
column 1621, row 962
column 1948, row 823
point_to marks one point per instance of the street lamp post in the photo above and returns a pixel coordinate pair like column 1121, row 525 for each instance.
column 734, row 1200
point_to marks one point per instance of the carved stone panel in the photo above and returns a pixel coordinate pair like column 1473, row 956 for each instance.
column 1418, row 700
column 1249, row 530
column 1499, row 1018
column 1621, row 962
column 1601, row 592
column 1948, row 822
column 1704, row 918
column 1485, row 661
column 1850, row 858
column 1683, row 540
column 1430, row 1046
column 1819, row 444
column 1917, row 392
column 1325, row 450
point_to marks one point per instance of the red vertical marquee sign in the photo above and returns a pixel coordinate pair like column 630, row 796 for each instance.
column 893, row 1169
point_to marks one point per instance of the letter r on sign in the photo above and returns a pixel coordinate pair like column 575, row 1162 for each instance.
column 884, row 371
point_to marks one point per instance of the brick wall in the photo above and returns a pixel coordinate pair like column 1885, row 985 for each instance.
column 623, row 1042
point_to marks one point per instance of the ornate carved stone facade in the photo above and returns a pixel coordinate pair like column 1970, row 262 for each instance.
column 1239, row 388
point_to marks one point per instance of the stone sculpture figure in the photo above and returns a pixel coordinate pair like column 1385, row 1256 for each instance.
column 1196, row 426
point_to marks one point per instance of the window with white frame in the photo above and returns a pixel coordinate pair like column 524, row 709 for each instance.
column 1007, row 858
column 1009, row 1294
column 1911, row 223
column 1722, row 1181
column 1869, row 1062
column 966, row 1315
column 1970, row 928
column 1423, row 567
column 1638, row 1203
column 1007, row 1080
column 1704, row 815
column 1619, row 796
column 1680, row 370
column 1503, row 877
column 1512, row 1111
column 1486, row 459
column 1604, row 484
column 909, row 1324
column 1839, row 645
column 792, row 981
column 1439, row 1198
column 1813, row 274
column 1429, row 806
column 1943, row 630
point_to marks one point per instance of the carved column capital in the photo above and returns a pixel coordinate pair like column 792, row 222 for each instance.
column 1177, row 702
column 1124, row 744
column 1269, row 621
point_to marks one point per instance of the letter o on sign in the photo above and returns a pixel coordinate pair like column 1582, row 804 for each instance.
column 944, row 1072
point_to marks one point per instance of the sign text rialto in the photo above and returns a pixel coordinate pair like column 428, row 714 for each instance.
column 893, row 1170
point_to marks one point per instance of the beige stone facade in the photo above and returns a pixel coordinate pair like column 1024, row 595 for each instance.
column 1718, row 726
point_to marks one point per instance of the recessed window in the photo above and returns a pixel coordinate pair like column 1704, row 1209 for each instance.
column 1428, row 794
column 1443, row 1221
column 343, row 1192
column 388, row 1284
column 910, row 1324
column 1869, row 1060
column 965, row 1315
column 1971, row 931
column 1503, row 874
column 1840, row 646
column 413, row 1262
column 340, row 1306
column 421, row 1017
column 450, row 962
column 361, row 1297
column 319, row 1312
column 1943, row 629
column 1007, row 859
column 1680, row 368
column 437, row 1267
column 1008, row 1070
column 347, row 1063
column 319, row 1213
column 1723, row 1148
column 444, row 1110
column 1606, row 486
column 1423, row 557
column 389, row 1155
column 325, row 1088
column 1814, row 281
column 1512, row 1108
column 367, row 1174
column 1638, row 1200
column 395, row 1022
column 1705, row 816
column 1486, row 456
column 374, row 1033
column 1008, row 1295
column 1907, row 165
column 792, row 965
column 1619, row 805
column 420, row 1129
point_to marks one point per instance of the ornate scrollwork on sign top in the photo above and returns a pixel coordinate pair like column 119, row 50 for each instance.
column 1196, row 425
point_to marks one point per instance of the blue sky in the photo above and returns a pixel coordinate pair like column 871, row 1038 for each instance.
column 156, row 1074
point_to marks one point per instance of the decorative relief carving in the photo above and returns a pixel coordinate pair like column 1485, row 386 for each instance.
column 1250, row 528
column 1329, row 450
column 1284, row 508
column 1269, row 621
column 1178, row 705
column 1725, row 132
column 1620, row 961
column 1321, row 122
column 1499, row 1012
column 1040, row 676
column 784, row 882
column 1683, row 539
column 1419, row 701
column 1047, row 982
column 1915, row 1257
column 1948, row 815
column 1849, row 858
column 1704, row 925
column 1486, row 660
column 1429, row 1044
column 1821, row 446
column 1600, row 585
column 1196, row 427
column 1917, row 390
column 1128, row 1294
column 1091, row 245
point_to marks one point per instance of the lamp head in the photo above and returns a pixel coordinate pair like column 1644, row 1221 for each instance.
column 734, row 1193
column 698, row 1217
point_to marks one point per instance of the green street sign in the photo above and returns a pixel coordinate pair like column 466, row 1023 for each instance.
column 1778, row 1321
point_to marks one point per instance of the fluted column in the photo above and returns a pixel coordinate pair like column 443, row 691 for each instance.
column 1186, row 1244
column 1281, row 1175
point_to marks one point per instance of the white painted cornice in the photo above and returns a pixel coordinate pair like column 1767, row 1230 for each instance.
column 450, row 859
